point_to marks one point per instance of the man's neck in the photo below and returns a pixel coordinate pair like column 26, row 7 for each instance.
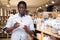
column 22, row 15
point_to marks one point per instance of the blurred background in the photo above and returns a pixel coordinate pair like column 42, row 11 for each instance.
column 39, row 7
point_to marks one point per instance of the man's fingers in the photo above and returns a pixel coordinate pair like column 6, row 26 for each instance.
column 16, row 25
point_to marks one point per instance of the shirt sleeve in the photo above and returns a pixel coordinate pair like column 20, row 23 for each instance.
column 31, row 25
column 9, row 22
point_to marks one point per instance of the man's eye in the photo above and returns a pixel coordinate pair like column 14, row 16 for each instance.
column 22, row 7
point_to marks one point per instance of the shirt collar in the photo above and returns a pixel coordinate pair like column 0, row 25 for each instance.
column 20, row 15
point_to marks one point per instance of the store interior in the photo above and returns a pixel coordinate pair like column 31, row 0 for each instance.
column 40, row 11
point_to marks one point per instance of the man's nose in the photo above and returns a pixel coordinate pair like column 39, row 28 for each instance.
column 21, row 8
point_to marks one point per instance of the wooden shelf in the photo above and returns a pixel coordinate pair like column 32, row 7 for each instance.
column 48, row 31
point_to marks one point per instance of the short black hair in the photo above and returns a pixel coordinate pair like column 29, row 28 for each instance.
column 22, row 2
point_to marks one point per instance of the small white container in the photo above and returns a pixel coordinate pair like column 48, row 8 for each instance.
column 21, row 23
column 58, row 32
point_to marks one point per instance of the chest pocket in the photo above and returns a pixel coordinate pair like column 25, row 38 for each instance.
column 16, row 20
column 26, row 22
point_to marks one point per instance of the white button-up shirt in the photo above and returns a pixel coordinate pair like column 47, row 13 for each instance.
column 19, row 33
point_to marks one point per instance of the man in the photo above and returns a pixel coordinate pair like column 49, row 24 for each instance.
column 19, row 32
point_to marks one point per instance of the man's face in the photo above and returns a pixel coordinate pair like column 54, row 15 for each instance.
column 21, row 9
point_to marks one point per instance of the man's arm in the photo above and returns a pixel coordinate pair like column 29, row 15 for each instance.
column 31, row 27
column 8, row 30
column 28, row 30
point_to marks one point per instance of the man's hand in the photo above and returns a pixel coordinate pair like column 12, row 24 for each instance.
column 27, row 30
column 25, row 27
column 8, row 30
column 16, row 25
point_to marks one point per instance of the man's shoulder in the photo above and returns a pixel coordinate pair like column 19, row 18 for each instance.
column 16, row 14
column 13, row 16
column 28, row 17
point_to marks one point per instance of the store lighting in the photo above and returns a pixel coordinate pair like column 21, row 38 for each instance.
column 46, row 5
column 37, row 8
column 52, row 2
column 8, row 5
column 40, row 7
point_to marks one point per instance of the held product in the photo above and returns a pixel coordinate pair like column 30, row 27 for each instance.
column 21, row 24
column 46, row 19
column 58, row 32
